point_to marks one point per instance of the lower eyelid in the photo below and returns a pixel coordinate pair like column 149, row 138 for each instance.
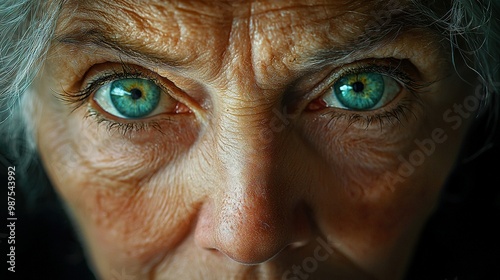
column 127, row 126
column 395, row 113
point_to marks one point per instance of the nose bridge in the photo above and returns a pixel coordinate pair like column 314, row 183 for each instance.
column 252, row 215
column 250, row 164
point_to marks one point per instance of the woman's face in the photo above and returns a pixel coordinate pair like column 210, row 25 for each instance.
column 248, row 139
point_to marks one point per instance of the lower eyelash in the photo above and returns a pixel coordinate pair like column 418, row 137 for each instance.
column 404, row 110
column 122, row 128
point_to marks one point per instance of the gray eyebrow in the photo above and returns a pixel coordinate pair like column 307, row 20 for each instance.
column 374, row 37
column 96, row 37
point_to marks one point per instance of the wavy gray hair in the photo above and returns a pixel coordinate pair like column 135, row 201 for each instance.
column 27, row 27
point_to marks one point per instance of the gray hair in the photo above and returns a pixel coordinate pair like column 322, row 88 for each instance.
column 27, row 27
column 474, row 33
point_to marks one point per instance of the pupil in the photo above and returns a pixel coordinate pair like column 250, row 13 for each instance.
column 135, row 93
column 358, row 86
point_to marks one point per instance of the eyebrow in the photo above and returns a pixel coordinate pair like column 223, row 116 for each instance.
column 374, row 36
column 97, row 37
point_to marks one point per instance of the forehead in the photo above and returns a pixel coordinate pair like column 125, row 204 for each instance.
column 166, row 15
column 197, row 20
column 278, row 34
column 213, row 8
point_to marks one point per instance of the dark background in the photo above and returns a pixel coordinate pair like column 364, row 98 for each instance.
column 461, row 240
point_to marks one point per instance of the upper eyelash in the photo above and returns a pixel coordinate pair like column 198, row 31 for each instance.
column 407, row 82
column 79, row 97
column 401, row 111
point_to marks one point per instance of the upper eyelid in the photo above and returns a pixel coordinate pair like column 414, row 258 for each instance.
column 393, row 72
column 103, row 79
column 124, row 71
column 357, row 68
column 94, row 83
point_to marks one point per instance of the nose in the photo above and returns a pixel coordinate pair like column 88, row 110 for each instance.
column 255, row 208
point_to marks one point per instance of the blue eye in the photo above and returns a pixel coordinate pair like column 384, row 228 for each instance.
column 131, row 98
column 362, row 92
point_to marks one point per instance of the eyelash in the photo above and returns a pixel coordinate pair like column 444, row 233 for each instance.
column 80, row 97
column 123, row 128
column 416, row 89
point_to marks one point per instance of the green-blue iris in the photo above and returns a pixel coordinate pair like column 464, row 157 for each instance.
column 360, row 91
column 134, row 98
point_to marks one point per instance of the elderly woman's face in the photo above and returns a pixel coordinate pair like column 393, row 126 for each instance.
column 248, row 139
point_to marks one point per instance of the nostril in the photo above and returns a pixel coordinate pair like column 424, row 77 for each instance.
column 216, row 252
column 252, row 256
column 252, row 259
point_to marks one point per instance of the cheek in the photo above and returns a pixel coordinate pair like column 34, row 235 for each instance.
column 372, row 203
column 125, row 219
column 383, row 182
column 134, row 227
column 125, row 194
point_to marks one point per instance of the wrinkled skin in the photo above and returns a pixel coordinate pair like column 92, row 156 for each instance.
column 248, row 177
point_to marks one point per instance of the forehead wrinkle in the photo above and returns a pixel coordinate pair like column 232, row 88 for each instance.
column 214, row 10
column 261, row 8
column 152, row 19
column 329, row 38
column 150, row 32
column 95, row 24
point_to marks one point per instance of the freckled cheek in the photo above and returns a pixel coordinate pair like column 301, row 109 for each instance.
column 128, row 222
column 383, row 185
column 375, row 195
column 136, row 226
column 115, row 186
column 82, row 146
column 358, row 157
